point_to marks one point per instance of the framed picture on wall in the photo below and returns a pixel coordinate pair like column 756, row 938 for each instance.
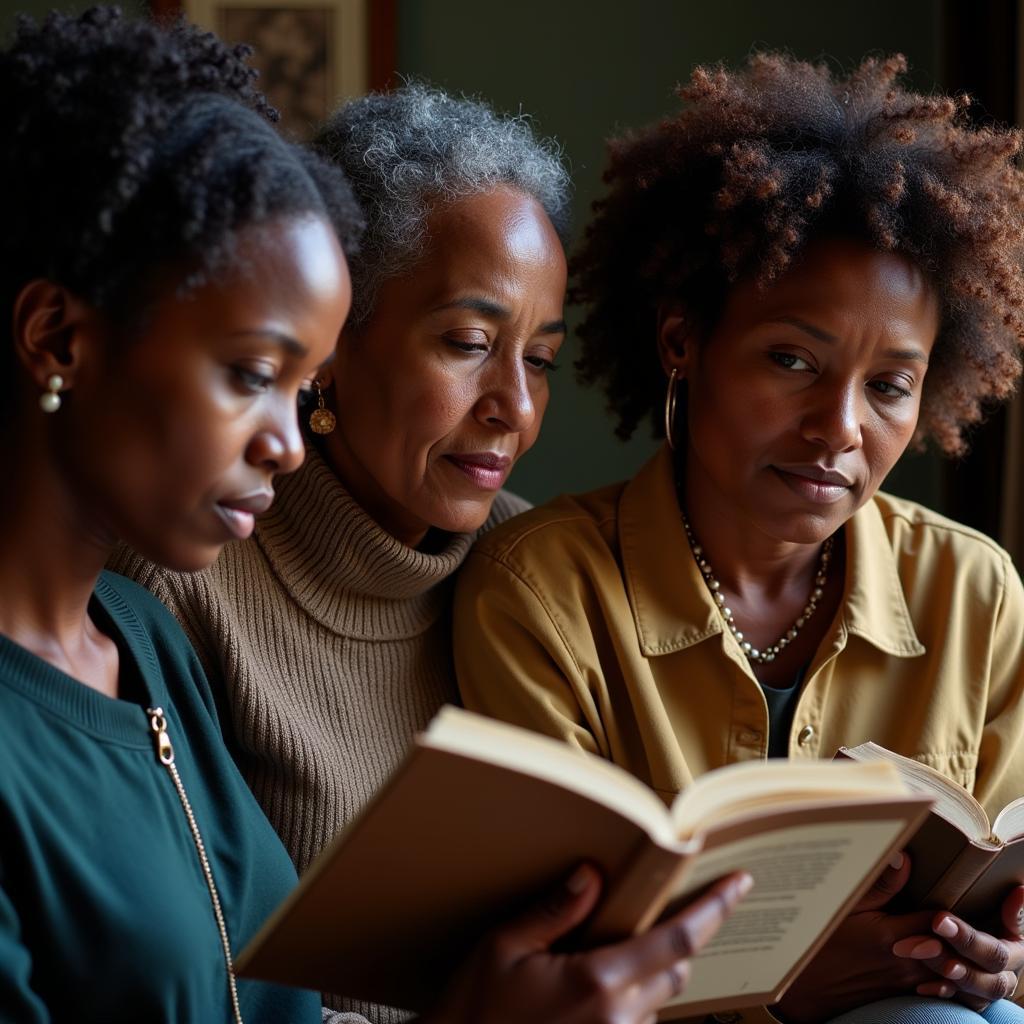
column 310, row 53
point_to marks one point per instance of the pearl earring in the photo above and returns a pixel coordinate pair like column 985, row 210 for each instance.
column 49, row 400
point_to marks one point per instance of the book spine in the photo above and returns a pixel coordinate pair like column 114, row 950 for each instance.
column 638, row 897
column 959, row 877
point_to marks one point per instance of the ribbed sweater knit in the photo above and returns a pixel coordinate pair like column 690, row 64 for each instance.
column 331, row 642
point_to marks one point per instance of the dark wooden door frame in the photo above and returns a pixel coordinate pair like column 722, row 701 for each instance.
column 981, row 58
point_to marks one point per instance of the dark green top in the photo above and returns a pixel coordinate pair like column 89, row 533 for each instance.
column 104, row 910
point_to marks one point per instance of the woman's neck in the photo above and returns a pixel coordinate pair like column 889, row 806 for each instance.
column 745, row 560
column 372, row 498
column 766, row 582
column 49, row 564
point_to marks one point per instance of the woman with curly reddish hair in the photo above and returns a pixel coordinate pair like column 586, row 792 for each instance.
column 794, row 279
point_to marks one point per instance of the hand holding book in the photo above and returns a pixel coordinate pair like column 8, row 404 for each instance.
column 859, row 965
column 975, row 967
column 968, row 871
column 513, row 976
column 482, row 814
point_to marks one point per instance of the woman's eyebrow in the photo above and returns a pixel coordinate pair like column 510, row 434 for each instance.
column 553, row 327
column 477, row 304
column 286, row 341
column 906, row 353
column 821, row 335
column 496, row 311
column 803, row 325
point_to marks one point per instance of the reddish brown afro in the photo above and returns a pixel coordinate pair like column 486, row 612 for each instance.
column 763, row 160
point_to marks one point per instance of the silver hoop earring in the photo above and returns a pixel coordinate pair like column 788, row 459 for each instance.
column 670, row 407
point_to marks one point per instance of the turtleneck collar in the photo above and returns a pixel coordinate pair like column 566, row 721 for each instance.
column 342, row 568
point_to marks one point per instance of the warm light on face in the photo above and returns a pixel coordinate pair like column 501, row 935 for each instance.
column 179, row 435
column 807, row 393
column 445, row 387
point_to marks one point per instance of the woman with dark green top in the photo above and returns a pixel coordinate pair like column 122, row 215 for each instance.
column 171, row 277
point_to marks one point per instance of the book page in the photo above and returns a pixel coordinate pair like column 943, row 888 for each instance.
column 803, row 875
column 1009, row 823
column 493, row 742
column 752, row 787
column 952, row 801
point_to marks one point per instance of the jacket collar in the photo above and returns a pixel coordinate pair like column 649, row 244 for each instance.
column 672, row 608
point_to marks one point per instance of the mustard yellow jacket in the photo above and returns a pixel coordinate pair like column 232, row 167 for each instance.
column 588, row 620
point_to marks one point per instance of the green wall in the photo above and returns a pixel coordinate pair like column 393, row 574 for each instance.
column 589, row 68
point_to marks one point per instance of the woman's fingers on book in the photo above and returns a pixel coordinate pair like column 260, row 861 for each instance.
column 979, row 949
column 557, row 913
column 1013, row 911
column 892, row 879
column 659, row 953
column 978, row 967
column 654, row 968
column 655, row 991
column 690, row 930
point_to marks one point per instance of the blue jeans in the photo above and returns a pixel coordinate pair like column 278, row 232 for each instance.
column 922, row 1010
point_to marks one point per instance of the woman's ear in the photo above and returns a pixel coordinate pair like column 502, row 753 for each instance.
column 676, row 340
column 53, row 331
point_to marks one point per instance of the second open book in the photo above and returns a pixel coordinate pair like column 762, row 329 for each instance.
column 481, row 818
column 959, row 860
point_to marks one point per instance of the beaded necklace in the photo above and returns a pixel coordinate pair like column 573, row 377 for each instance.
column 770, row 653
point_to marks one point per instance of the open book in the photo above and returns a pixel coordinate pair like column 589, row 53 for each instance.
column 482, row 817
column 959, row 860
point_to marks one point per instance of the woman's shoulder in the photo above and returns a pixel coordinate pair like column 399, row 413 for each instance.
column 506, row 505
column 137, row 597
column 936, row 554
column 568, row 523
column 912, row 525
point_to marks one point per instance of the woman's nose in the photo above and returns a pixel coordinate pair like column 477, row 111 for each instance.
column 278, row 446
column 834, row 417
column 507, row 401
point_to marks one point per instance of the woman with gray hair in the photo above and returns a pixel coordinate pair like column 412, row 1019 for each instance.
column 328, row 632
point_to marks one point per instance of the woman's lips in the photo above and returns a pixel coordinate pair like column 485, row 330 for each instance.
column 240, row 524
column 487, row 470
column 820, row 491
column 239, row 514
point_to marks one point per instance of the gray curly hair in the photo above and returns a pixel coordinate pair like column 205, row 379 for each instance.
column 405, row 151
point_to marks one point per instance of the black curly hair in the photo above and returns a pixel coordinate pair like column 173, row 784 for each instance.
column 137, row 149
column 762, row 161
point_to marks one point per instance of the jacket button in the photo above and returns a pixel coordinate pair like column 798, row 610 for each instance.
column 806, row 735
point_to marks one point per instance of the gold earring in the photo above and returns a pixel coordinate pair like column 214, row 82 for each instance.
column 321, row 419
column 49, row 400
column 670, row 407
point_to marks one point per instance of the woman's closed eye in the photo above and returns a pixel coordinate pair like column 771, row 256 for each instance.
column 256, row 380
column 470, row 340
column 541, row 362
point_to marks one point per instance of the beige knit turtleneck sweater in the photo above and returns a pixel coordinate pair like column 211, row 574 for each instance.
column 331, row 640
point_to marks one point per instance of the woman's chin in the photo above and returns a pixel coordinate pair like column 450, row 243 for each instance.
column 463, row 516
column 192, row 557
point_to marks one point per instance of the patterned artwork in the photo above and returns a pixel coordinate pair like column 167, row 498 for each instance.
column 294, row 55
column 311, row 54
